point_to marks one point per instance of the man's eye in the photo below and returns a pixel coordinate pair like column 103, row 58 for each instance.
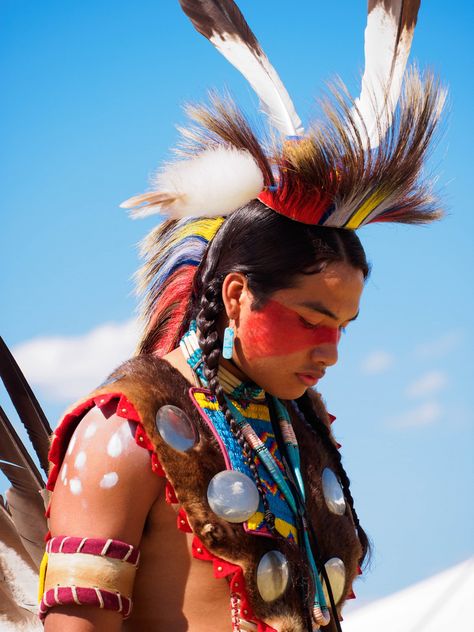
column 306, row 324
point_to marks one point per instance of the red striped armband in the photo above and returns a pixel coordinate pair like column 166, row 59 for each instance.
column 89, row 572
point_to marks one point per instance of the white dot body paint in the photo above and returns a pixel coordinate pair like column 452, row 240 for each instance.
column 114, row 446
column 64, row 472
column 65, row 482
column 75, row 486
column 109, row 480
column 80, row 461
column 72, row 443
column 90, row 431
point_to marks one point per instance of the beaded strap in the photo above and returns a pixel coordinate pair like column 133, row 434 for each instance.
column 88, row 571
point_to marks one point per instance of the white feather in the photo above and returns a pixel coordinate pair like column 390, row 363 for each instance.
column 263, row 78
column 385, row 63
column 216, row 182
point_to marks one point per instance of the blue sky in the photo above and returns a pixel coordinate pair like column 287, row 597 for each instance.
column 91, row 93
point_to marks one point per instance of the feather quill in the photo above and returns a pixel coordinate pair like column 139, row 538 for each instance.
column 26, row 404
column 387, row 43
column 222, row 23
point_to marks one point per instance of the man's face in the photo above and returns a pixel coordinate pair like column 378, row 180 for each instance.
column 286, row 346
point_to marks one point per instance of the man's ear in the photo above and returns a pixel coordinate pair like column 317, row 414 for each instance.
column 234, row 288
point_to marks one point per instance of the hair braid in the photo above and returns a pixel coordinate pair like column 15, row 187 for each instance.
column 321, row 429
column 210, row 307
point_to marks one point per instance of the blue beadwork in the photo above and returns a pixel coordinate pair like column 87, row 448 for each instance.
column 266, row 463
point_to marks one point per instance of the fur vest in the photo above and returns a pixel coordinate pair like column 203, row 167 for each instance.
column 141, row 387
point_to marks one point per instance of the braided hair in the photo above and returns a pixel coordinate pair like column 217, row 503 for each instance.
column 207, row 320
column 306, row 407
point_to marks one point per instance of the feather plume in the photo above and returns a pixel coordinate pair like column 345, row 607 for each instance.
column 172, row 252
column 215, row 182
column 329, row 178
column 387, row 43
column 222, row 23
column 26, row 404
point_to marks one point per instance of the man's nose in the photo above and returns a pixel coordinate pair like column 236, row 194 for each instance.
column 326, row 354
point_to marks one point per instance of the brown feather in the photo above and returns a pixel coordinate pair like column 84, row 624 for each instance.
column 27, row 511
column 26, row 404
column 221, row 17
column 15, row 461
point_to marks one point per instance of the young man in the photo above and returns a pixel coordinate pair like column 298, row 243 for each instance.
column 204, row 473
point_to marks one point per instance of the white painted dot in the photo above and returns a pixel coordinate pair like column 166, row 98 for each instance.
column 72, row 443
column 65, row 482
column 75, row 486
column 64, row 472
column 90, row 431
column 80, row 461
column 109, row 480
column 114, row 447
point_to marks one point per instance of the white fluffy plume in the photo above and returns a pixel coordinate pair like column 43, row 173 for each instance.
column 216, row 182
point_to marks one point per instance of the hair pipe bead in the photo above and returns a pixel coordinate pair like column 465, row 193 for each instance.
column 228, row 345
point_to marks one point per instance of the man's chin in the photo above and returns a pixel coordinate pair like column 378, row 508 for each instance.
column 288, row 392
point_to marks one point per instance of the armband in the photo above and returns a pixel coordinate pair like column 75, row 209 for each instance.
column 89, row 572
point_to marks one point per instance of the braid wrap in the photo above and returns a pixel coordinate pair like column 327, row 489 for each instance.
column 207, row 318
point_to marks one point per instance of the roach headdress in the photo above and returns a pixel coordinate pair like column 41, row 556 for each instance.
column 361, row 164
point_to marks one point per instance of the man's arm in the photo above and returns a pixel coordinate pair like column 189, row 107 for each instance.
column 105, row 490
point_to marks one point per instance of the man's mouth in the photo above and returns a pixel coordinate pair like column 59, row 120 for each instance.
column 310, row 378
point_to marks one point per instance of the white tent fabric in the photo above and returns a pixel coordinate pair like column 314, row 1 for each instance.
column 442, row 602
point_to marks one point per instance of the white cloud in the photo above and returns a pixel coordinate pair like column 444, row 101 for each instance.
column 422, row 415
column 427, row 384
column 377, row 362
column 441, row 346
column 67, row 367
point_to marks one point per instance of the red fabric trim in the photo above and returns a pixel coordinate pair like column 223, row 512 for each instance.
column 63, row 433
column 235, row 574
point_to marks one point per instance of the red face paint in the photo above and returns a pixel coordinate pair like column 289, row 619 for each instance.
column 277, row 330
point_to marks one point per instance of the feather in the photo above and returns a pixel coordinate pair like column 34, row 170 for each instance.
column 222, row 23
column 26, row 404
column 330, row 179
column 388, row 38
column 15, row 462
column 27, row 511
column 10, row 538
column 215, row 182
column 24, row 501
column 172, row 252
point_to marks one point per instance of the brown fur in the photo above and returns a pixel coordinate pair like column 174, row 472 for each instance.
column 150, row 383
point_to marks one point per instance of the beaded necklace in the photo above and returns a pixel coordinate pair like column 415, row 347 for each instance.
column 237, row 390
